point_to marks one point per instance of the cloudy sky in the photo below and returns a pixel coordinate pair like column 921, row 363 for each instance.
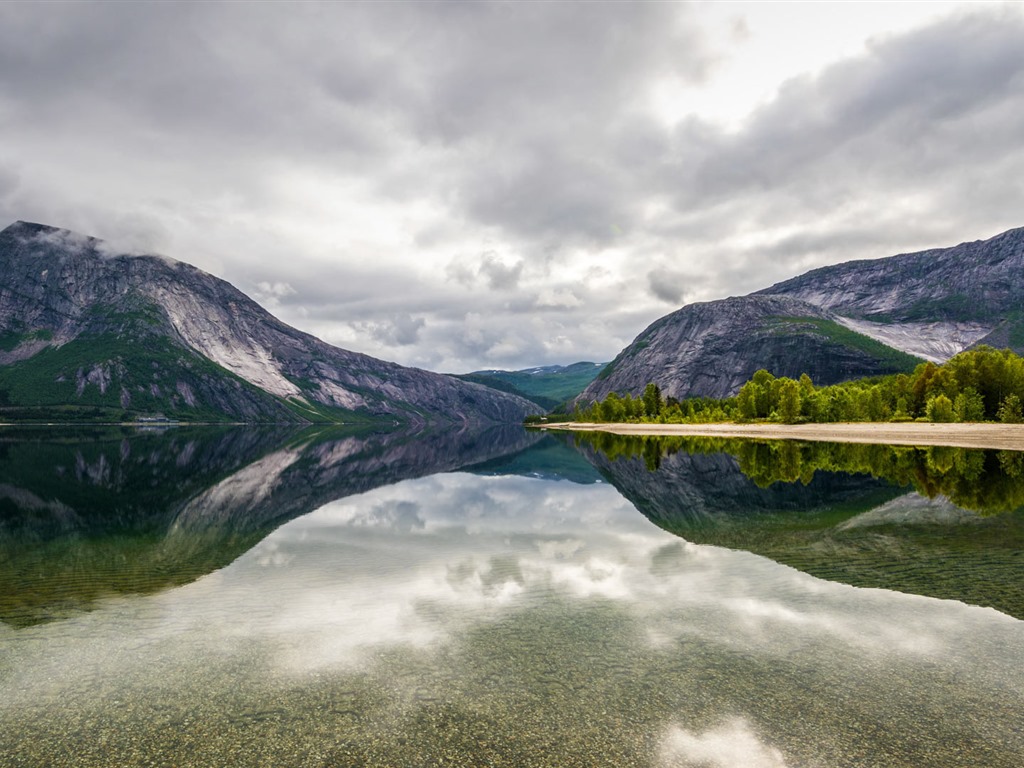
column 496, row 185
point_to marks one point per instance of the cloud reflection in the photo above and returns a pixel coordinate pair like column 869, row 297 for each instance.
column 420, row 562
column 550, row 622
column 732, row 745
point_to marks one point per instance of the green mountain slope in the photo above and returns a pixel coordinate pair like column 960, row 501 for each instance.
column 548, row 386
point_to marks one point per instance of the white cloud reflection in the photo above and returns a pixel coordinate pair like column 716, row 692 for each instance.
column 419, row 562
column 438, row 583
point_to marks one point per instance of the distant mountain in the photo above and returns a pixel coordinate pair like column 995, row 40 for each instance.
column 548, row 385
column 862, row 318
column 87, row 333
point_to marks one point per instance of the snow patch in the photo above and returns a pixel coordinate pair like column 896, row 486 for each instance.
column 932, row 341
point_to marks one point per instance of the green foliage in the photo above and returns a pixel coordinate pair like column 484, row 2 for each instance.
column 789, row 402
column 973, row 386
column 893, row 359
column 55, row 384
column 969, row 405
column 956, row 307
column 940, row 408
column 652, row 401
column 10, row 339
column 1010, row 410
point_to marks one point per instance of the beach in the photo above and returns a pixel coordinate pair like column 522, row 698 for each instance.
column 966, row 435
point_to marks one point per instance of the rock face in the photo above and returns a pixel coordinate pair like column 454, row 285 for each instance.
column 103, row 334
column 862, row 318
column 975, row 281
column 972, row 293
column 710, row 349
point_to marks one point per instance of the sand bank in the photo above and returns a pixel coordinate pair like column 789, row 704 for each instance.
column 997, row 436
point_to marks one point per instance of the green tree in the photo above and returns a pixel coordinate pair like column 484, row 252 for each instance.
column 788, row 409
column 610, row 408
column 652, row 400
column 746, row 401
column 969, row 406
column 940, row 408
column 1010, row 410
column 762, row 382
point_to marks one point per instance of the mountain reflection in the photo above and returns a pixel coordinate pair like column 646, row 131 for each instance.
column 105, row 512
column 937, row 521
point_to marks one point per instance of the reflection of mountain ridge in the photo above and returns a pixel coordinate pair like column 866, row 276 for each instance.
column 118, row 512
column 850, row 528
column 698, row 490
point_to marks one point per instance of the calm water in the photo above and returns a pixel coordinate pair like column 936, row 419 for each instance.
column 244, row 598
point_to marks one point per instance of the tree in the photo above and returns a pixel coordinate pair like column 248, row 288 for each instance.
column 940, row 408
column 789, row 401
column 610, row 408
column 969, row 405
column 652, row 400
column 1010, row 410
column 746, row 401
column 762, row 390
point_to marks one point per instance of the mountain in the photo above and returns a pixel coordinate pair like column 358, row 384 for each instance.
column 861, row 318
column 548, row 385
column 710, row 349
column 933, row 303
column 89, row 333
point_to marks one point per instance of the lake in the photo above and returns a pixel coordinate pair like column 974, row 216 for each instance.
column 188, row 597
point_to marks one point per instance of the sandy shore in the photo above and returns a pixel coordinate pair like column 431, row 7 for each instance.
column 997, row 436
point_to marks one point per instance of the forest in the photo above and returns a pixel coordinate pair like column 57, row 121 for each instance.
column 982, row 384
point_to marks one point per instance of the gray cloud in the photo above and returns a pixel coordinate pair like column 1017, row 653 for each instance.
column 401, row 330
column 500, row 276
column 667, row 285
column 469, row 185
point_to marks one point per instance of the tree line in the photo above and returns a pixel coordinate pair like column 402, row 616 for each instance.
column 982, row 384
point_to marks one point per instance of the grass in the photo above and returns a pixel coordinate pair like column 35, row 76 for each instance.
column 894, row 358
column 45, row 387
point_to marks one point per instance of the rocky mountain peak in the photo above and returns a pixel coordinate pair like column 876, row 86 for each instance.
column 131, row 321
column 861, row 318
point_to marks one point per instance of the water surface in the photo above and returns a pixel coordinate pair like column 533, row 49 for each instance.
column 458, row 600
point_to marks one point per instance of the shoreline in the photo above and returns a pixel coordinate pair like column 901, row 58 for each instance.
column 961, row 435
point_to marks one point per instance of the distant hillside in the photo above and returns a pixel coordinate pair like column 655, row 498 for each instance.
column 853, row 320
column 87, row 333
column 548, row 386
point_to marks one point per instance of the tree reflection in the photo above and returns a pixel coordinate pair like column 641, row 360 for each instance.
column 983, row 481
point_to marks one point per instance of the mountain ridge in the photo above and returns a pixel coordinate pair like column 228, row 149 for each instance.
column 73, row 307
column 860, row 318
column 548, row 385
